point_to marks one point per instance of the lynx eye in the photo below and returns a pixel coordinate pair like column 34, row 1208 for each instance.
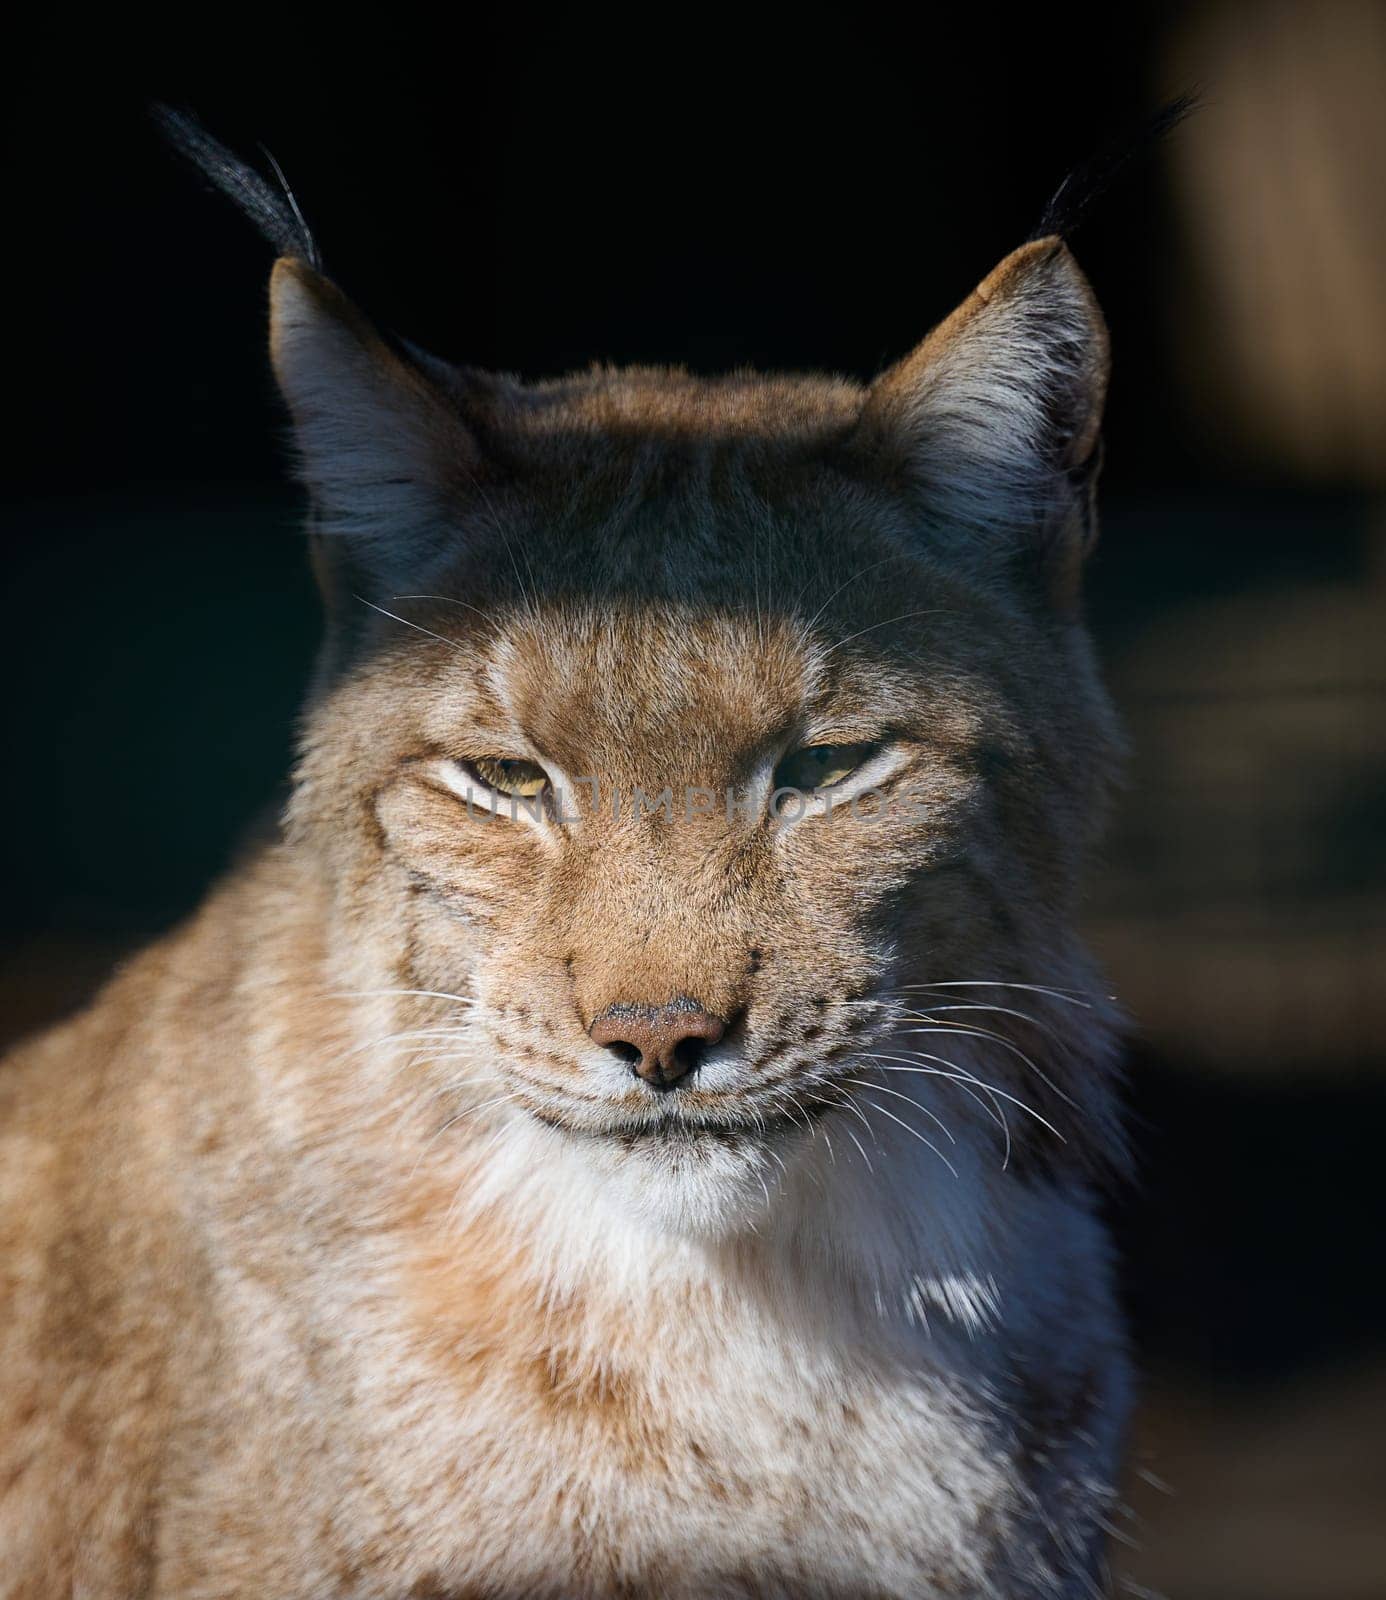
column 820, row 766
column 507, row 775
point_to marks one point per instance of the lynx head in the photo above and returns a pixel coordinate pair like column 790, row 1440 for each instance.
column 729, row 748
column 705, row 764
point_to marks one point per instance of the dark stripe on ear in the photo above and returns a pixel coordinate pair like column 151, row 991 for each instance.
column 274, row 211
column 1086, row 184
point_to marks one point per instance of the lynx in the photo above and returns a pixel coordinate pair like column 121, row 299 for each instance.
column 637, row 1128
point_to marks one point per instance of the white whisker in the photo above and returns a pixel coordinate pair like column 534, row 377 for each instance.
column 371, row 994
column 961, row 1031
column 862, row 1148
column 405, row 1039
column 887, row 1112
column 1068, row 996
column 1008, row 1011
column 452, row 644
column 933, row 611
column 448, row 600
column 460, row 1116
column 962, row 1077
column 965, row 1083
column 856, row 576
column 880, row 1088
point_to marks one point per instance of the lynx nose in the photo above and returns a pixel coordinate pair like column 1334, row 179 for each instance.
column 663, row 1044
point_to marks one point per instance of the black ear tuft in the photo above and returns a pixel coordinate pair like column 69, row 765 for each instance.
column 1073, row 199
column 274, row 211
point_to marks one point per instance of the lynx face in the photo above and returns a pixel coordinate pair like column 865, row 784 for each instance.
column 712, row 744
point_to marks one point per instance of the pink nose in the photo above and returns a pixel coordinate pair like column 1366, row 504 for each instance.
column 663, row 1044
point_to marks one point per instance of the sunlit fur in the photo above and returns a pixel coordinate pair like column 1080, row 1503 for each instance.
column 341, row 1261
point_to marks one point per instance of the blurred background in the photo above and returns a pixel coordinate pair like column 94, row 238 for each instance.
column 534, row 195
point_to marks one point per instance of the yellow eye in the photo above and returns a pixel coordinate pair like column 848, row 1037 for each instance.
column 523, row 779
column 820, row 766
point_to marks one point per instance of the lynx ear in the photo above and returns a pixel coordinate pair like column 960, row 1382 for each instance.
column 378, row 443
column 997, row 414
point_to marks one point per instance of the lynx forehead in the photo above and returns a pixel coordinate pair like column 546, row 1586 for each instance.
column 635, row 1131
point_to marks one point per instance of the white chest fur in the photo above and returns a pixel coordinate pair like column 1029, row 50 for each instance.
column 736, row 1466
column 557, row 1401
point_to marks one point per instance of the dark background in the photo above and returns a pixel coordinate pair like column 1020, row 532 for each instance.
column 534, row 195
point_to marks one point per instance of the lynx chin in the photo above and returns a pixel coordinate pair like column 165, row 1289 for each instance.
column 486, row 1199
